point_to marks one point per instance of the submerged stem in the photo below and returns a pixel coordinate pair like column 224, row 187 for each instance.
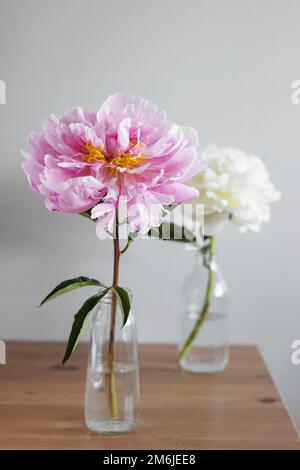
column 205, row 309
column 111, row 346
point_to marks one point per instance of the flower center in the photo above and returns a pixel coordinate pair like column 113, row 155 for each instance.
column 92, row 154
column 129, row 159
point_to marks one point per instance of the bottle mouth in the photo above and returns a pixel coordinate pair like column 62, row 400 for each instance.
column 108, row 297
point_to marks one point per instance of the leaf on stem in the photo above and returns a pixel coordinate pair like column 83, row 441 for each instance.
column 124, row 301
column 80, row 320
column 168, row 231
column 87, row 214
column 130, row 240
column 69, row 285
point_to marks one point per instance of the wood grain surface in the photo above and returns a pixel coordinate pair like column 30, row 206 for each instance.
column 41, row 403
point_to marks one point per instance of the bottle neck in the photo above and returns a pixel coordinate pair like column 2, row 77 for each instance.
column 107, row 299
column 104, row 307
column 207, row 260
column 207, row 256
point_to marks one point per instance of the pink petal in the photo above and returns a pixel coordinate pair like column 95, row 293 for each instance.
column 123, row 133
column 180, row 192
column 33, row 170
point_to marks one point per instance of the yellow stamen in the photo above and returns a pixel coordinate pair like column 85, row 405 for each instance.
column 92, row 154
column 127, row 160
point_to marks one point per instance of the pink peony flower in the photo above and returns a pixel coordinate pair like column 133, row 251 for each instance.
column 129, row 149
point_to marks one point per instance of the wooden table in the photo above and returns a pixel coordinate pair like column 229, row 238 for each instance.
column 41, row 404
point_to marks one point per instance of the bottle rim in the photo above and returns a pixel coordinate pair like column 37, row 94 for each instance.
column 108, row 296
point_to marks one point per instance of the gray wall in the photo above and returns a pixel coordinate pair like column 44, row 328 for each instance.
column 224, row 67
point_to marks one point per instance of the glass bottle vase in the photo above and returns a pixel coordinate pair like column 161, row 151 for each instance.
column 112, row 382
column 203, row 344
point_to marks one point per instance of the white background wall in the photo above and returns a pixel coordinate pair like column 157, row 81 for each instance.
column 224, row 67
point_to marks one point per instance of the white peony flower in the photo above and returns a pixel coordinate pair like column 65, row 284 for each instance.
column 234, row 186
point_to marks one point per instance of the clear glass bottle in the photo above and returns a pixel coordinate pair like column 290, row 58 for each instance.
column 203, row 344
column 112, row 385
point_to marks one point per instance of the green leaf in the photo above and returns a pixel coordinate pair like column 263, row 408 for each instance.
column 80, row 320
column 69, row 285
column 170, row 229
column 130, row 240
column 87, row 215
column 124, row 301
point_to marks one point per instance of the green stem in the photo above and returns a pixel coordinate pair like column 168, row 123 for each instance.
column 205, row 309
